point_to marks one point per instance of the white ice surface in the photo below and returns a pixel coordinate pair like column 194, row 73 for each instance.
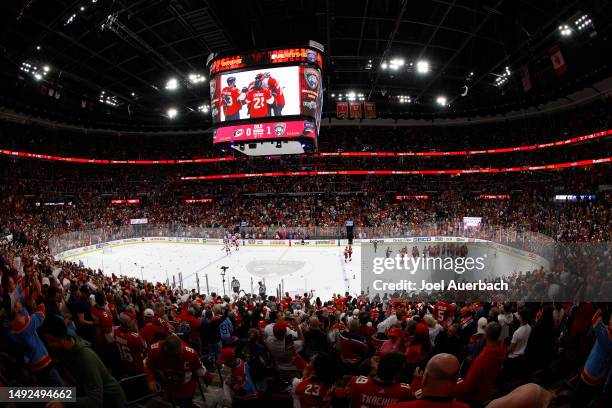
column 301, row 268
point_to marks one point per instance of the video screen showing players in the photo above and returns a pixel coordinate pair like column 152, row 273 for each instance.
column 259, row 94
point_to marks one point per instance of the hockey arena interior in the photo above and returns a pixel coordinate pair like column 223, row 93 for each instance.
column 307, row 203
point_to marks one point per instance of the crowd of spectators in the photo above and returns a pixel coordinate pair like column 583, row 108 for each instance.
column 68, row 325
column 113, row 337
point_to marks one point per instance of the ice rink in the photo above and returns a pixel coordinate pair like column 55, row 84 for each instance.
column 299, row 268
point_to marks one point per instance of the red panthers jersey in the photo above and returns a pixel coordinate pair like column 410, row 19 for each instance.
column 103, row 324
column 443, row 311
column 366, row 392
column 229, row 100
column 309, row 393
column 258, row 101
column 177, row 375
column 273, row 85
column 131, row 347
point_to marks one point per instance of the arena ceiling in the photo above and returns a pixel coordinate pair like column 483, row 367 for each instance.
column 123, row 52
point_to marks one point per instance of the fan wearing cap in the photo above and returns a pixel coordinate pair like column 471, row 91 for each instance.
column 241, row 383
column 130, row 345
column 477, row 340
column 173, row 365
column 231, row 100
column 394, row 341
column 151, row 331
column 95, row 386
column 280, row 347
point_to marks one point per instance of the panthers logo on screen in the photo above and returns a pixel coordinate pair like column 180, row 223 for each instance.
column 279, row 128
column 312, row 78
column 311, row 56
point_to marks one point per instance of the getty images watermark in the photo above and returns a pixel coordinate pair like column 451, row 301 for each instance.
column 463, row 269
column 427, row 263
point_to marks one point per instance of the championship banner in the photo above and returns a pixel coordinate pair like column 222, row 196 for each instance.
column 369, row 110
column 355, row 110
column 341, row 110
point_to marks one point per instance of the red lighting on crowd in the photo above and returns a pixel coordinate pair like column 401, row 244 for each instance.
column 556, row 166
column 494, row 196
column 411, row 197
column 198, row 200
column 129, row 202
column 565, row 142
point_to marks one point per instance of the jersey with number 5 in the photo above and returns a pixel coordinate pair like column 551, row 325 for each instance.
column 258, row 101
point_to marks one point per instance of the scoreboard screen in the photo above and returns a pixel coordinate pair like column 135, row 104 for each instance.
column 267, row 102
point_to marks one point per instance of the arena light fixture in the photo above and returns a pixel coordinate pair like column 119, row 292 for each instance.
column 172, row 84
column 351, row 96
column 203, row 108
column 565, row 30
column 396, row 63
column 384, row 65
column 70, row 19
column 441, row 100
column 196, row 78
column 37, row 76
column 172, row 113
column 404, row 99
column 38, row 48
column 46, row 68
column 422, row 67
column 583, row 22
column 108, row 99
column 503, row 77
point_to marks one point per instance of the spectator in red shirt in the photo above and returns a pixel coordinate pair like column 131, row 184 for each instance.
column 130, row 346
column 103, row 325
column 382, row 389
column 478, row 384
column 353, row 346
column 152, row 331
column 315, row 387
column 175, row 366
column 437, row 384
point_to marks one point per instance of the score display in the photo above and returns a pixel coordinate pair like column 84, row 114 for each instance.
column 267, row 102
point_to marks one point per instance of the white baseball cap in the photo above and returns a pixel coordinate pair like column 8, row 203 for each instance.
column 482, row 324
column 149, row 313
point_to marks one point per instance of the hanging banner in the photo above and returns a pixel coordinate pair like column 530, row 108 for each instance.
column 369, row 110
column 525, row 78
column 558, row 62
column 342, row 110
column 355, row 110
